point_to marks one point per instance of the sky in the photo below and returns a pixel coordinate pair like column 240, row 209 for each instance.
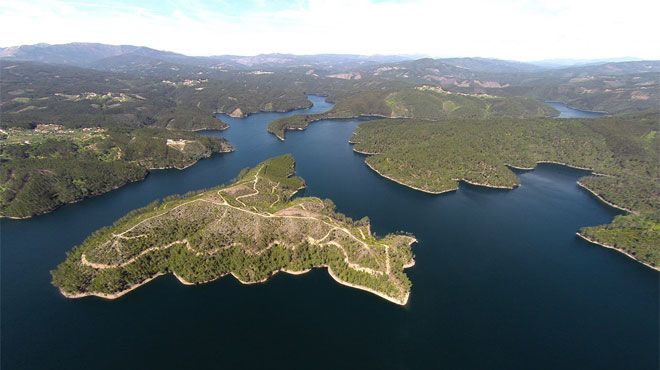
column 526, row 30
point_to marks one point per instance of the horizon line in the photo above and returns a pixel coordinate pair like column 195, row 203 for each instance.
column 412, row 56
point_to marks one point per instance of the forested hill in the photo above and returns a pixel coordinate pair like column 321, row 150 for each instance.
column 46, row 167
column 422, row 102
column 251, row 229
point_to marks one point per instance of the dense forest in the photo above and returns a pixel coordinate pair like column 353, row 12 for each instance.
column 622, row 151
column 422, row 102
column 251, row 229
column 45, row 167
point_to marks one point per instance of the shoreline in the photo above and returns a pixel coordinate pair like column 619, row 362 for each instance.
column 226, row 126
column 73, row 202
column 359, row 116
column 567, row 165
column 561, row 164
column 578, row 109
column 361, row 152
column 579, row 183
column 190, row 164
column 599, row 197
column 186, row 282
column 110, row 296
column 487, row 185
column 409, row 186
column 443, row 191
column 520, row 168
column 245, row 115
column 595, row 242
column 400, row 302
column 148, row 171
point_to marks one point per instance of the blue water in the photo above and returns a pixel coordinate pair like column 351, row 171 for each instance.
column 567, row 112
column 501, row 281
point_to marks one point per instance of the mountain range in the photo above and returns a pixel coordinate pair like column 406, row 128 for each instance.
column 126, row 57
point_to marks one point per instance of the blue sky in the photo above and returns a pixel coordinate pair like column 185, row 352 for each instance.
column 507, row 29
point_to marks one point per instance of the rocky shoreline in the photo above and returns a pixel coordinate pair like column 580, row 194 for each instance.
column 182, row 280
column 593, row 241
column 116, row 187
column 433, row 191
column 599, row 197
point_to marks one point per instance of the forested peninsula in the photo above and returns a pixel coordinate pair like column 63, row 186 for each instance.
column 422, row 102
column 250, row 229
column 51, row 165
column 621, row 151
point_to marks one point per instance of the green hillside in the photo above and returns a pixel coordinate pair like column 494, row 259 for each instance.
column 251, row 229
column 46, row 167
column 422, row 102
column 433, row 156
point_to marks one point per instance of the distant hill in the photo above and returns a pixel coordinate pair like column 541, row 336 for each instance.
column 318, row 60
column 610, row 87
column 491, row 65
column 563, row 63
column 78, row 54
column 614, row 87
column 89, row 54
column 141, row 59
column 117, row 57
column 615, row 68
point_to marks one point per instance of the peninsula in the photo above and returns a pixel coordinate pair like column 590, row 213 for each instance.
column 421, row 102
column 52, row 165
column 250, row 229
column 620, row 151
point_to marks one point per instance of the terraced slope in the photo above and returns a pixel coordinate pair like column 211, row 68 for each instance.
column 250, row 229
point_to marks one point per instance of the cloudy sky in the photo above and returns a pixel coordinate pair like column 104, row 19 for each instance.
column 509, row 29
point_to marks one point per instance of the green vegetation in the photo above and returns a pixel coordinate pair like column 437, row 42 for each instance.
column 612, row 87
column 423, row 102
column 251, row 229
column 597, row 89
column 432, row 103
column 32, row 93
column 637, row 236
column 433, row 156
column 48, row 166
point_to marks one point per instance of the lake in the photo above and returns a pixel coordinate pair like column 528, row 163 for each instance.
column 567, row 112
column 501, row 280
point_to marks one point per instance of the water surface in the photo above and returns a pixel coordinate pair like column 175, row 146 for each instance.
column 567, row 112
column 501, row 281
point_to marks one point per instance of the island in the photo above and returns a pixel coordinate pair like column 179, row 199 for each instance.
column 251, row 229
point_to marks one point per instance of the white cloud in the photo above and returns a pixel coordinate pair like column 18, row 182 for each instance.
column 510, row 29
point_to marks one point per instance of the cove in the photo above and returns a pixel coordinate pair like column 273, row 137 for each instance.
column 501, row 281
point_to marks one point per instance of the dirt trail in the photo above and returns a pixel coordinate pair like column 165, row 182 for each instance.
column 224, row 203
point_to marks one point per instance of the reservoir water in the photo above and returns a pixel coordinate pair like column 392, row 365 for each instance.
column 567, row 112
column 501, row 281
